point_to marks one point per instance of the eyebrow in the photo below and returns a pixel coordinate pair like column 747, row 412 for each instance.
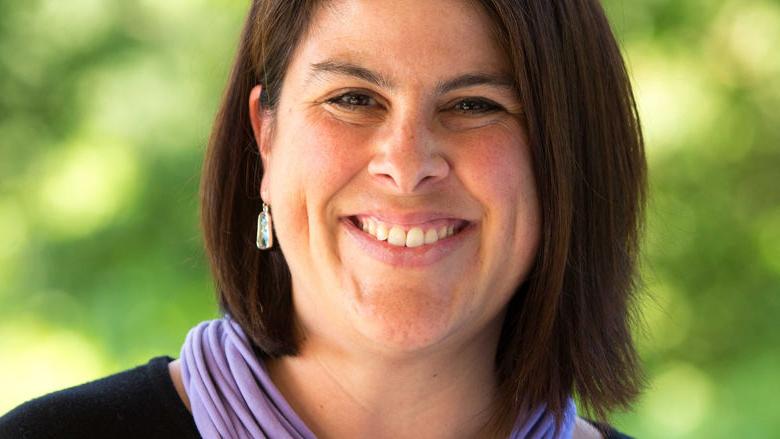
column 474, row 79
column 349, row 69
column 462, row 81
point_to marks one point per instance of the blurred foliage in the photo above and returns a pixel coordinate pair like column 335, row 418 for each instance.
column 105, row 109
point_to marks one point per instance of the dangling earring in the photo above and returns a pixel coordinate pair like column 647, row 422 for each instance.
column 265, row 229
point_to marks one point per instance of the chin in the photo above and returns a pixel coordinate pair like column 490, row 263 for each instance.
column 404, row 318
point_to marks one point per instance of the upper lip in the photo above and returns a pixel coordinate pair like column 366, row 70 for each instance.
column 408, row 218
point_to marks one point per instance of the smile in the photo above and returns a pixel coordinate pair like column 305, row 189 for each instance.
column 403, row 243
column 409, row 235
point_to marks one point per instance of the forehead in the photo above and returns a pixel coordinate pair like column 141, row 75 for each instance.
column 418, row 40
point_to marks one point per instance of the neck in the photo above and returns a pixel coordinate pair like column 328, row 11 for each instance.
column 447, row 393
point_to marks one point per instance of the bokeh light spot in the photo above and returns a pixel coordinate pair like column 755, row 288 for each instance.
column 85, row 186
column 39, row 359
column 753, row 35
column 679, row 400
column 71, row 24
column 675, row 101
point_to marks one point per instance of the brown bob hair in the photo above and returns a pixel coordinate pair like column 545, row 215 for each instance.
column 567, row 330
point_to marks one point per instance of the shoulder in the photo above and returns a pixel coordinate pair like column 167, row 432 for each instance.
column 140, row 402
column 587, row 429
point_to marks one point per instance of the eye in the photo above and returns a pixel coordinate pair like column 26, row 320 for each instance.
column 351, row 100
column 475, row 106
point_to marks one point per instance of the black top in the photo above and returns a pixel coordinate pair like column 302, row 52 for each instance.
column 137, row 403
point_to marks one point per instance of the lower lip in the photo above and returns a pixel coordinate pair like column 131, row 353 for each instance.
column 398, row 256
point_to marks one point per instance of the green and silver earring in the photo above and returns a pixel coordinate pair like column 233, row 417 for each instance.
column 265, row 229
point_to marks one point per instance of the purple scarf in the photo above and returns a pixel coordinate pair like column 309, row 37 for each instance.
column 232, row 396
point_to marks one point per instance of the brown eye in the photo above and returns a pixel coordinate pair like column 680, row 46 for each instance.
column 475, row 106
column 352, row 100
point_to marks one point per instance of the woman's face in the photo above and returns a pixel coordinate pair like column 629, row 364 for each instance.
column 399, row 176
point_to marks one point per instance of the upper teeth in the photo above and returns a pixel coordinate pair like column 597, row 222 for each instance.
column 396, row 235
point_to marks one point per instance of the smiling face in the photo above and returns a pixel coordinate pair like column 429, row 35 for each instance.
column 399, row 176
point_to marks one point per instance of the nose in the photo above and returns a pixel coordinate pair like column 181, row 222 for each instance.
column 409, row 159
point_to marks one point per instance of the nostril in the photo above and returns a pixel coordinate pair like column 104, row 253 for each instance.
column 426, row 179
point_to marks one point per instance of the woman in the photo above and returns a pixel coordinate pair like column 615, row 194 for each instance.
column 449, row 197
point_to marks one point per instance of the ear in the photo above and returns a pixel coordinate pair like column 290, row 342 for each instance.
column 261, row 127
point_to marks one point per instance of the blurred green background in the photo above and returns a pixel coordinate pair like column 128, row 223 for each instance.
column 105, row 108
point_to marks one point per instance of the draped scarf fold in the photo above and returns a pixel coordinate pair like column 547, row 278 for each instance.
column 232, row 396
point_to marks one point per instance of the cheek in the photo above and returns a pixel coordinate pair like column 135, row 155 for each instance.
column 497, row 169
column 320, row 158
column 322, row 150
column 500, row 175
